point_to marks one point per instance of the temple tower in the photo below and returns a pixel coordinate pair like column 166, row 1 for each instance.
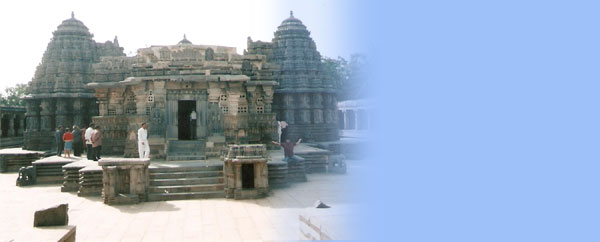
column 57, row 90
column 306, row 97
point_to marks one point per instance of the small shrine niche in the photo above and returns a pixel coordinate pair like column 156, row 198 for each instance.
column 245, row 168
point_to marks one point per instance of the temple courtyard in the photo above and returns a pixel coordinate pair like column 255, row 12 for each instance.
column 273, row 218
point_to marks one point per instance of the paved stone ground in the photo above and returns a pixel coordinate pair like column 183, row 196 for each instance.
column 273, row 218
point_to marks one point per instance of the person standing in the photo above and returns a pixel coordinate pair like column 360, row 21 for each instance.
column 76, row 140
column 88, row 141
column 193, row 125
column 281, row 130
column 58, row 137
column 96, row 143
column 143, row 145
column 288, row 149
column 68, row 140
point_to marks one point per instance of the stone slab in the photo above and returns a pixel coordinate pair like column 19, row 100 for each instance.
column 16, row 151
column 123, row 161
column 65, row 233
column 54, row 216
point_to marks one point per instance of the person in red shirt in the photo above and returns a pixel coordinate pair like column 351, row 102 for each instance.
column 288, row 149
column 68, row 140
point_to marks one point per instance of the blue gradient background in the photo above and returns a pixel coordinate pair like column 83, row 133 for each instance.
column 487, row 125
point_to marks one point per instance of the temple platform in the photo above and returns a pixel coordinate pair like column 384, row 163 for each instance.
column 14, row 158
column 174, row 180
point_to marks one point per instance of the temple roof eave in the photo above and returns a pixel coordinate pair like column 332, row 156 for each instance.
column 181, row 78
column 58, row 95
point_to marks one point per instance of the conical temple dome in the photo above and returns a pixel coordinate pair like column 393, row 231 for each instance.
column 67, row 61
column 292, row 24
column 184, row 41
column 72, row 26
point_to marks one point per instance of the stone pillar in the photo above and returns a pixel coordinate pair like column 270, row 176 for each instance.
column 11, row 125
column 62, row 112
column 21, row 125
column 137, row 181
column 46, row 115
column 109, row 180
column 289, row 108
column 78, row 112
column 1, row 126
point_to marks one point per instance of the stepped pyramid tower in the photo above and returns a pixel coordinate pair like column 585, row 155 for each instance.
column 57, row 89
column 306, row 96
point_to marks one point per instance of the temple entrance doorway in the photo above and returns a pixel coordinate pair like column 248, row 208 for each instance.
column 185, row 127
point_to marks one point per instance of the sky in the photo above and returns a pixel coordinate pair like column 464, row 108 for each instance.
column 28, row 25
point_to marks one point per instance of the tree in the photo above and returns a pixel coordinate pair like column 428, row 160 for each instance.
column 348, row 76
column 13, row 95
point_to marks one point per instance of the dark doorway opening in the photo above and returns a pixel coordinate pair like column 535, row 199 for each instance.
column 247, row 176
column 185, row 108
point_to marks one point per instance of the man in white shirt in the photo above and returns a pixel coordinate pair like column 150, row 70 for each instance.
column 143, row 145
column 88, row 141
column 193, row 125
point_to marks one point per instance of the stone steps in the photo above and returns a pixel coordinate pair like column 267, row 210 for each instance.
column 184, row 196
column 198, row 168
column 186, row 182
column 180, row 156
column 315, row 161
column 186, row 188
column 193, row 174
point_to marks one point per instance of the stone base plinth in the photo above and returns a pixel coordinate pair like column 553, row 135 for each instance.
column 246, row 172
column 124, row 180
column 13, row 159
column 49, row 170
column 90, row 181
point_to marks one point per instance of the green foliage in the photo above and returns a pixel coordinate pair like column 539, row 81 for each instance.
column 12, row 96
column 348, row 76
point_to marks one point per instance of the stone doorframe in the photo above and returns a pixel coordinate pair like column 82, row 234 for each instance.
column 173, row 98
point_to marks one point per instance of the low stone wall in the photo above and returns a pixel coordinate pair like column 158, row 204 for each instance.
column 11, row 142
column 90, row 181
column 49, row 170
column 124, row 180
column 13, row 159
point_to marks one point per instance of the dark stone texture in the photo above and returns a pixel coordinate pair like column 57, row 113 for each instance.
column 54, row 216
column 26, row 176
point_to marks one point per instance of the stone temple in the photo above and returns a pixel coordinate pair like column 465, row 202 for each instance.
column 238, row 99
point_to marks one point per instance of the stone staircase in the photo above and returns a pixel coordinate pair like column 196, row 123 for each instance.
column 186, row 150
column 178, row 183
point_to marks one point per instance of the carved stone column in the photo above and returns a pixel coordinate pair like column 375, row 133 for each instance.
column 11, row 125
column 21, row 125
column 46, row 115
column 62, row 112
column 78, row 112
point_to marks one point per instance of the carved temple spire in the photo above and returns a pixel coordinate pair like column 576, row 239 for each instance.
column 72, row 14
column 291, row 14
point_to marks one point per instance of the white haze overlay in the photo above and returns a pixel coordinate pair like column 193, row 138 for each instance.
column 28, row 25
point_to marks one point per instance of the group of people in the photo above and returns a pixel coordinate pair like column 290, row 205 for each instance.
column 72, row 140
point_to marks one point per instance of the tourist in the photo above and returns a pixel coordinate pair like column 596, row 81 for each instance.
column 96, row 143
column 88, row 141
column 59, row 141
column 76, row 140
column 288, row 149
column 143, row 145
column 281, row 130
column 83, row 145
column 68, row 140
column 193, row 124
